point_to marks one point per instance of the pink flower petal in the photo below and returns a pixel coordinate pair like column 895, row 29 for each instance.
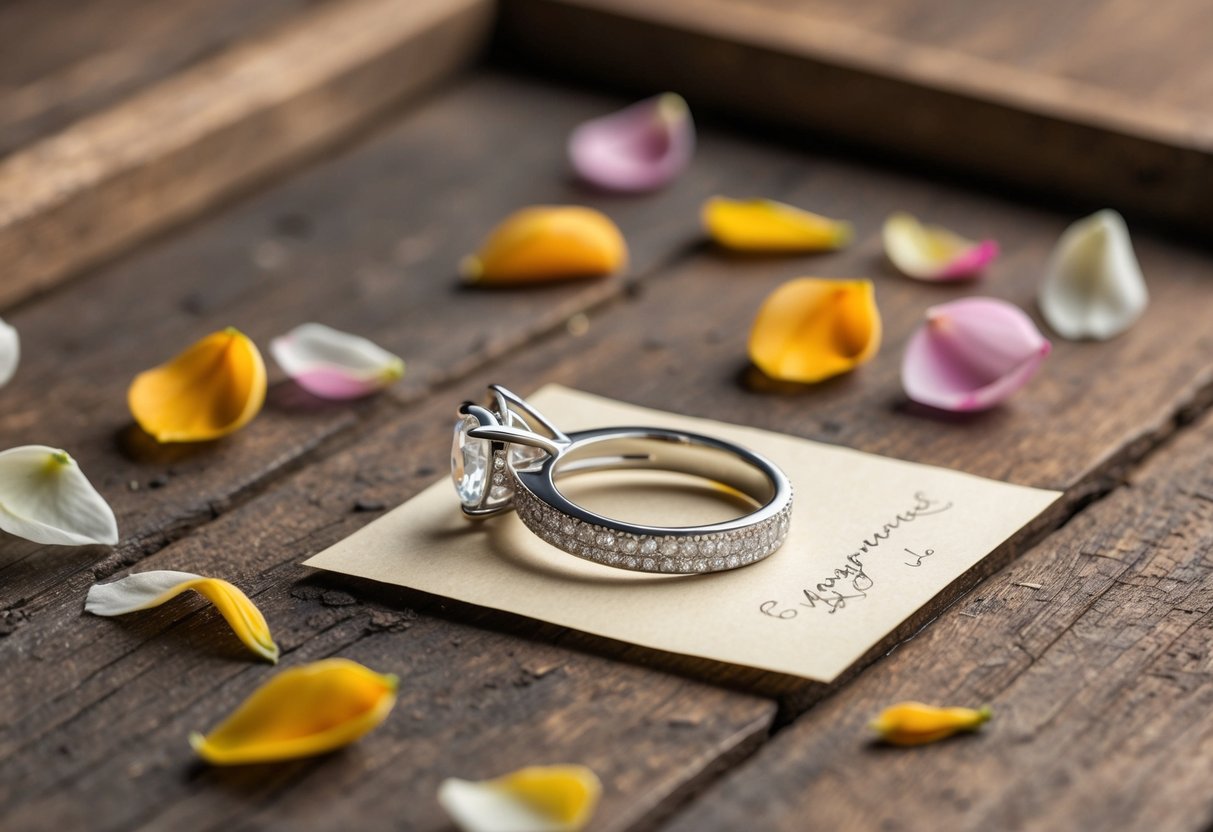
column 970, row 261
column 334, row 365
column 972, row 354
column 640, row 148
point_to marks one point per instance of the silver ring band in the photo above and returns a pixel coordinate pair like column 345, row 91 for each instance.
column 509, row 456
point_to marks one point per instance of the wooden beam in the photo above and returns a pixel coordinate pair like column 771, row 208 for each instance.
column 114, row 178
column 787, row 65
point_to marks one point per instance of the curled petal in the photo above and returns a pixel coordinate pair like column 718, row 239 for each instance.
column 931, row 253
column 534, row 799
column 335, row 365
column 810, row 329
column 640, row 148
column 10, row 352
column 145, row 590
column 1093, row 285
column 548, row 242
column 44, row 497
column 213, row 388
column 301, row 712
column 766, row 225
column 913, row 723
column 972, row 354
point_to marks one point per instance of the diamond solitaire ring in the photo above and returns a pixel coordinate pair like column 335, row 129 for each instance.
column 507, row 455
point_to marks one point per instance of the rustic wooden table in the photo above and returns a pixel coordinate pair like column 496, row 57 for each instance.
column 1101, row 678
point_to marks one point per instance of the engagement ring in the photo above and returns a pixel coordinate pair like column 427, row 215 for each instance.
column 507, row 455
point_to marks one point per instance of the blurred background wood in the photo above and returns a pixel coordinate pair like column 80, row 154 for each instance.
column 1105, row 104
column 165, row 154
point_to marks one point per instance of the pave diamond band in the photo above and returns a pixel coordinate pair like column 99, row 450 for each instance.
column 508, row 456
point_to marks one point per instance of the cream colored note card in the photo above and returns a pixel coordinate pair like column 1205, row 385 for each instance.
column 871, row 541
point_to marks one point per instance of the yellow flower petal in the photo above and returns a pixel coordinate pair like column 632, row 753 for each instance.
column 766, row 225
column 913, row 723
column 534, row 799
column 811, row 328
column 213, row 388
column 301, row 712
column 145, row 590
column 548, row 243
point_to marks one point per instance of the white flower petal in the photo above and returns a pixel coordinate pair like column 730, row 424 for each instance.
column 10, row 352
column 1093, row 285
column 139, row 591
column 536, row 799
column 45, row 498
column 334, row 364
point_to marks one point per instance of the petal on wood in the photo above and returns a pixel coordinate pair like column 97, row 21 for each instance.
column 10, row 352
column 335, row 365
column 44, row 497
column 212, row 389
column 640, row 148
column 810, row 329
column 548, row 242
column 932, row 253
column 972, row 354
column 763, row 225
column 534, row 799
column 1093, row 285
column 301, row 712
column 913, row 723
column 145, row 590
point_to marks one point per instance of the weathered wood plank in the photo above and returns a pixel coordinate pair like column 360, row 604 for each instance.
column 368, row 242
column 165, row 154
column 677, row 342
column 61, row 60
column 1099, row 680
column 793, row 65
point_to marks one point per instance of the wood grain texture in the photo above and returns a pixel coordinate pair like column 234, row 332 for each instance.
column 63, row 60
column 96, row 719
column 166, row 153
column 1099, row 679
column 918, row 96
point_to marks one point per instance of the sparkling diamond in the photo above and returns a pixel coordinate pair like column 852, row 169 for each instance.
column 469, row 462
column 689, row 547
column 667, row 564
column 568, row 527
column 708, row 547
column 699, row 565
column 649, row 564
column 649, row 546
column 717, row 563
column 630, row 563
column 732, row 561
column 670, row 546
column 630, row 545
column 606, row 540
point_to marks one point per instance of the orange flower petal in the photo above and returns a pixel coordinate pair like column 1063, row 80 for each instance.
column 213, row 388
column 810, row 329
column 913, row 723
column 547, row 242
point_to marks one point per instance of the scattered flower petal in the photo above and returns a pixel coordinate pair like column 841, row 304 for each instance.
column 534, row 799
column 928, row 252
column 640, row 148
column 1093, row 285
column 44, row 497
column 335, row 365
column 145, row 590
column 301, row 712
column 913, row 723
column 811, row 328
column 972, row 354
column 10, row 352
column 766, row 225
column 213, row 388
column 548, row 242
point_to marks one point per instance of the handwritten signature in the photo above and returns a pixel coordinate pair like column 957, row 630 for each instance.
column 850, row 581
